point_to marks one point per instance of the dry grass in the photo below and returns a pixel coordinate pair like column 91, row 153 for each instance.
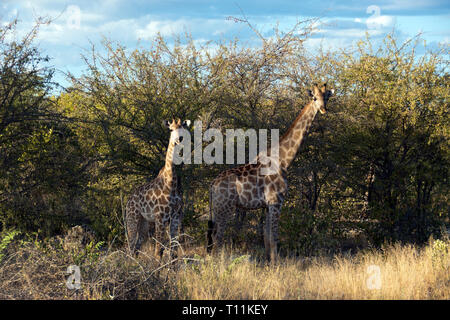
column 35, row 271
column 38, row 270
column 405, row 273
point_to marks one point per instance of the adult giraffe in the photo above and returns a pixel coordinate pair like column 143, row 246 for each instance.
column 248, row 187
column 159, row 200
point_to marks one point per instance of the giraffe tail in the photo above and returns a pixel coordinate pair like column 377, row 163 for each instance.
column 210, row 225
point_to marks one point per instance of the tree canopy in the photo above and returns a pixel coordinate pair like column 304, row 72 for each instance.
column 377, row 161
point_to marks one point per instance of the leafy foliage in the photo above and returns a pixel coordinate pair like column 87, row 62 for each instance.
column 377, row 161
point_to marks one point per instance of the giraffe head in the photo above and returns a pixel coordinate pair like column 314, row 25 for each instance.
column 320, row 96
column 176, row 127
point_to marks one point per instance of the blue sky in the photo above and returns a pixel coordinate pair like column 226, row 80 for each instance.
column 136, row 22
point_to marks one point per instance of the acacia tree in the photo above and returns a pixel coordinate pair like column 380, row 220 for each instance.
column 382, row 159
column 123, row 98
column 377, row 158
column 40, row 161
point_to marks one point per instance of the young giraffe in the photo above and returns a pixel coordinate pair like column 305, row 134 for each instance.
column 246, row 188
column 159, row 201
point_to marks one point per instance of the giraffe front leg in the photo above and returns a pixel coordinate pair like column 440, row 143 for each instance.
column 174, row 235
column 260, row 226
column 143, row 228
column 267, row 233
column 218, row 233
column 159, row 238
column 210, row 236
column 239, row 221
column 271, row 234
column 179, row 220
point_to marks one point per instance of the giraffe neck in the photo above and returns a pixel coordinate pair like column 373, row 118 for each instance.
column 168, row 170
column 292, row 139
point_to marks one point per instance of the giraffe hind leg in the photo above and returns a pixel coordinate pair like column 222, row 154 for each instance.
column 215, row 234
column 219, row 230
column 135, row 222
column 209, row 236
column 239, row 222
column 219, row 216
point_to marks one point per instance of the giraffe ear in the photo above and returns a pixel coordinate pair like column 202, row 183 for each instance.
column 166, row 123
column 186, row 123
column 309, row 92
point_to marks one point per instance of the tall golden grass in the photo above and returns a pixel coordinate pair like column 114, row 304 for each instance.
column 405, row 272
column 38, row 271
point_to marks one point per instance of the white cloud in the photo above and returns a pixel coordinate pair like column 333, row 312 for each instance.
column 201, row 27
column 351, row 34
column 127, row 21
column 380, row 21
column 165, row 28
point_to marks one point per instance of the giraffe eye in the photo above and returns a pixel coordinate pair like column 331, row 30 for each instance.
column 314, row 98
